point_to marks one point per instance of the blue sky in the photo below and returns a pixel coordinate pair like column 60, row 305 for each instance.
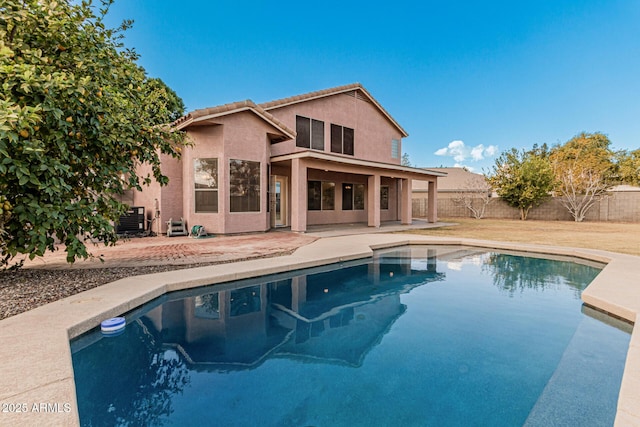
column 466, row 79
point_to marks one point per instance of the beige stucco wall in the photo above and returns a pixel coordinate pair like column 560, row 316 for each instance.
column 373, row 132
column 239, row 136
column 245, row 139
column 169, row 197
column 617, row 207
column 207, row 142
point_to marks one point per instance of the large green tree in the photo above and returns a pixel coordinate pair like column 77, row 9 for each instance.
column 585, row 169
column 523, row 179
column 628, row 165
column 78, row 117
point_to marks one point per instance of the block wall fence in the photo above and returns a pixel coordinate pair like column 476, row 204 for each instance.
column 616, row 207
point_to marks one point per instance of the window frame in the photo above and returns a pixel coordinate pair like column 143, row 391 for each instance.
column 355, row 203
column 317, row 199
column 309, row 133
column 328, row 188
column 213, row 188
column 314, row 195
column 254, row 188
column 342, row 139
column 347, row 196
column 395, row 148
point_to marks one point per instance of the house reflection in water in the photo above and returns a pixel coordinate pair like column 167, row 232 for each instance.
column 333, row 317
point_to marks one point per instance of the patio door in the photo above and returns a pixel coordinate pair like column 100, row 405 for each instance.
column 280, row 213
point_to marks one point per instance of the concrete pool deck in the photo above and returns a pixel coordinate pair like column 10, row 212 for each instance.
column 36, row 373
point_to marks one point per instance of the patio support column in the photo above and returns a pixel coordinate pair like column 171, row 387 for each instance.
column 298, row 292
column 373, row 271
column 298, row 195
column 432, row 202
column 373, row 201
column 406, row 210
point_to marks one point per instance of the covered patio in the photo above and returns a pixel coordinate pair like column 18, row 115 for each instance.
column 303, row 167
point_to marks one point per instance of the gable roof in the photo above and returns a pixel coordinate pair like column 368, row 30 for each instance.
column 354, row 89
column 206, row 115
column 455, row 180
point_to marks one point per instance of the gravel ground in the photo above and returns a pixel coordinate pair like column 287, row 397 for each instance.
column 25, row 289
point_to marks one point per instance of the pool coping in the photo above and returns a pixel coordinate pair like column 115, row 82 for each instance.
column 36, row 380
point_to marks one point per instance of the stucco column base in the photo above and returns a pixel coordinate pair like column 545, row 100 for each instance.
column 373, row 201
column 406, row 208
column 298, row 195
column 432, row 202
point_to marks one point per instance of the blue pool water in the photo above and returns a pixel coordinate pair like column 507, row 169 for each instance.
column 416, row 336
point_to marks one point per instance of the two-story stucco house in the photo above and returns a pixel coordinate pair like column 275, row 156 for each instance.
column 326, row 157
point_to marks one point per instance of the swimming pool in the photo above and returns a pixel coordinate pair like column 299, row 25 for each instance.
column 414, row 336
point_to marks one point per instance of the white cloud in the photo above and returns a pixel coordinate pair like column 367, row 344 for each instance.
column 460, row 152
column 469, row 168
column 476, row 152
column 491, row 151
column 455, row 149
column 454, row 265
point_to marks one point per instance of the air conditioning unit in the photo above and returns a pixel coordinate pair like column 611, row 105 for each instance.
column 131, row 222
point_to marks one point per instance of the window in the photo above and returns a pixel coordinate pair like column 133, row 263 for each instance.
column 395, row 148
column 309, row 133
column 207, row 306
column 342, row 139
column 244, row 301
column 358, row 196
column 321, row 195
column 347, row 197
column 317, row 135
column 206, row 184
column 314, row 195
column 352, row 197
column 328, row 196
column 384, row 197
column 244, row 186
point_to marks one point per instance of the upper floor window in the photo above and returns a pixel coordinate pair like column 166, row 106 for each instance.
column 244, row 186
column 206, row 184
column 309, row 133
column 341, row 139
column 395, row 148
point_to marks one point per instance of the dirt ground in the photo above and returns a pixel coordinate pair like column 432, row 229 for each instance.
column 614, row 237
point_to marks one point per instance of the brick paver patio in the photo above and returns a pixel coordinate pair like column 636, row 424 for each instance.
column 182, row 250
